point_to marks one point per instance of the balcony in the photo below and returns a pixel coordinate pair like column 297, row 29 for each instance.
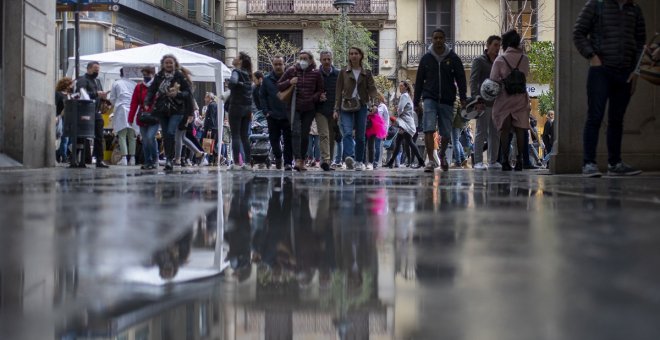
column 206, row 19
column 314, row 7
column 175, row 6
column 466, row 50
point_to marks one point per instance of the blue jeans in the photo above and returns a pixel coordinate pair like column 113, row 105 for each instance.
column 339, row 152
column 459, row 153
column 605, row 84
column 169, row 125
column 438, row 116
column 149, row 144
column 314, row 148
column 64, row 147
column 349, row 122
column 379, row 143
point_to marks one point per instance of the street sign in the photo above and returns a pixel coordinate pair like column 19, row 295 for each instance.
column 71, row 5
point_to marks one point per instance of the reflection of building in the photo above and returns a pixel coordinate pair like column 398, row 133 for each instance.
column 298, row 21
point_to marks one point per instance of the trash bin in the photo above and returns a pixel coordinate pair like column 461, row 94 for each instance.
column 79, row 115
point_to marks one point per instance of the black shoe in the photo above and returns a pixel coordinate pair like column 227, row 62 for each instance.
column 278, row 165
column 101, row 165
column 506, row 167
column 390, row 165
column 325, row 166
column 444, row 165
column 519, row 167
column 168, row 166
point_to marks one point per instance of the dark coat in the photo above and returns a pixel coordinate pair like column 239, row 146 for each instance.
column 618, row 37
column 330, row 83
column 182, row 99
column 240, row 85
column 481, row 67
column 309, row 88
column 92, row 86
column 211, row 117
column 273, row 107
column 428, row 84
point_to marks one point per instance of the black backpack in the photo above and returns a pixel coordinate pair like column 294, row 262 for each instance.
column 515, row 82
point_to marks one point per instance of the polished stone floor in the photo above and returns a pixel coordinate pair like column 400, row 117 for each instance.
column 201, row 254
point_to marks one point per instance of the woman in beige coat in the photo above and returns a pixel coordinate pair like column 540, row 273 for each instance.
column 511, row 111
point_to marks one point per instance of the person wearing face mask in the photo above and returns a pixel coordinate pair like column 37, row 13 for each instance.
column 90, row 82
column 169, row 93
column 309, row 87
column 147, row 131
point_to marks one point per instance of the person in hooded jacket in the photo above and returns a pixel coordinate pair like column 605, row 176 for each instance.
column 440, row 72
column 240, row 110
column 308, row 84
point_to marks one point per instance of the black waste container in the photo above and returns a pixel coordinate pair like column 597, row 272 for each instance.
column 79, row 118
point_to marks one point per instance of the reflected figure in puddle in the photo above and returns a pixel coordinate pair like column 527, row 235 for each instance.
column 172, row 257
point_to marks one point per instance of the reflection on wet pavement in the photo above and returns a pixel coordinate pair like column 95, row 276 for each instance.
column 376, row 255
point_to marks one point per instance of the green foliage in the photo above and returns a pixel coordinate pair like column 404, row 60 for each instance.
column 546, row 102
column 269, row 47
column 542, row 60
column 336, row 29
column 383, row 85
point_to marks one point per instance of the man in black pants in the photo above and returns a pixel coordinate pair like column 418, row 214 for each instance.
column 276, row 114
column 611, row 35
column 90, row 82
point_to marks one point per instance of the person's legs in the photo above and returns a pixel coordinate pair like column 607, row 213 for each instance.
column 360, row 134
column 493, row 138
column 325, row 140
column 296, row 136
column 307, row 118
column 371, row 143
column 430, row 123
column 98, row 138
column 121, row 138
column 178, row 143
column 275, row 136
column 505, row 142
column 459, row 154
column 131, row 139
column 146, row 145
column 317, row 148
column 378, row 145
column 287, row 140
column 347, row 123
column 245, row 138
column 522, row 147
column 414, row 151
column 597, row 95
column 236, row 131
column 619, row 94
column 480, row 136
column 445, row 117
column 397, row 147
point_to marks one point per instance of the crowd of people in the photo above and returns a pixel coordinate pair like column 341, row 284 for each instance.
column 334, row 117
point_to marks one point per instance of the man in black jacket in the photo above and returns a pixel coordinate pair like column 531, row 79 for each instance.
column 326, row 119
column 440, row 70
column 611, row 34
column 279, row 126
column 90, row 82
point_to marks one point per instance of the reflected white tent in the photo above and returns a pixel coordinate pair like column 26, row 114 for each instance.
column 202, row 67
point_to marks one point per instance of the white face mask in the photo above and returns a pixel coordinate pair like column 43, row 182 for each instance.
column 304, row 64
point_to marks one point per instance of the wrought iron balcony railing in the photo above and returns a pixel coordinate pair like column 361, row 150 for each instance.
column 206, row 19
column 321, row 7
column 466, row 50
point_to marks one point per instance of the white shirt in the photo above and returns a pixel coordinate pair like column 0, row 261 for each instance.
column 356, row 73
column 120, row 96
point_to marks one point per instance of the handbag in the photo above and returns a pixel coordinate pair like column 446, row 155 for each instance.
column 351, row 104
column 649, row 69
column 286, row 95
column 208, row 144
column 146, row 118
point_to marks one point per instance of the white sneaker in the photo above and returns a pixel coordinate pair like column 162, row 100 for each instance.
column 350, row 163
column 359, row 166
column 123, row 161
column 495, row 166
column 370, row 166
column 204, row 162
column 480, row 166
column 132, row 161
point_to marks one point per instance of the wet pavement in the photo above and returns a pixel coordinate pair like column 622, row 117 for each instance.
column 201, row 254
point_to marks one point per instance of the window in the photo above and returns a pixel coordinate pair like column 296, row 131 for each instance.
column 295, row 37
column 375, row 36
column 522, row 15
column 438, row 15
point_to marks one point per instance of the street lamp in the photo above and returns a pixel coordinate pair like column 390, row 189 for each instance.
column 344, row 6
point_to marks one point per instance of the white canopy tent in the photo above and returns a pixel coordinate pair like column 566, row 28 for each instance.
column 202, row 67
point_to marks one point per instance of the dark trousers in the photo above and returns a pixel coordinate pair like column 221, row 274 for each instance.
column 98, row 137
column 408, row 139
column 278, row 130
column 239, row 124
column 605, row 84
column 302, row 122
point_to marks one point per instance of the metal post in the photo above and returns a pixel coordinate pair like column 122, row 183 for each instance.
column 65, row 42
column 77, row 41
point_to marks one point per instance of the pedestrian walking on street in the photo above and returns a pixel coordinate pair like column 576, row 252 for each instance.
column 548, row 135
column 168, row 95
column 63, row 91
column 407, row 128
column 326, row 119
column 279, row 127
column 240, row 110
column 90, row 82
column 211, row 122
column 486, row 129
column 308, row 86
column 512, row 107
column 148, row 130
column 440, row 76
column 120, row 96
column 611, row 34
column 356, row 88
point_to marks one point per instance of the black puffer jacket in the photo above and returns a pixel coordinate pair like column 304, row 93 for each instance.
column 240, row 85
column 618, row 37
